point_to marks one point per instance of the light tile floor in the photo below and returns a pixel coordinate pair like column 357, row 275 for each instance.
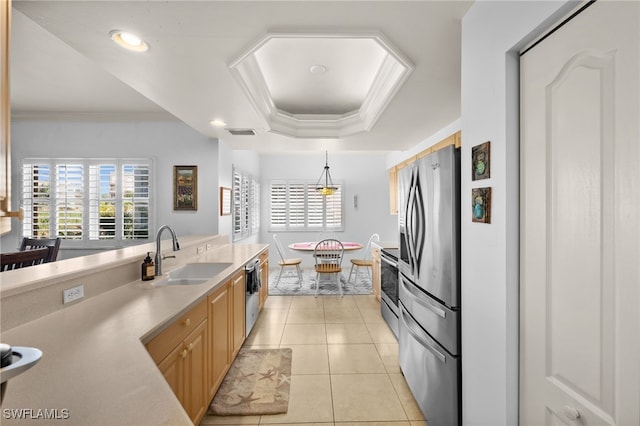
column 344, row 370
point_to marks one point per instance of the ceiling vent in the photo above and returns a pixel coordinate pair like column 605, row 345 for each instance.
column 242, row 132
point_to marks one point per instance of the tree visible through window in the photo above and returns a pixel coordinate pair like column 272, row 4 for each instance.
column 87, row 200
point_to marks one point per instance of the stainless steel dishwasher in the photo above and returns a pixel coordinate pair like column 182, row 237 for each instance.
column 252, row 295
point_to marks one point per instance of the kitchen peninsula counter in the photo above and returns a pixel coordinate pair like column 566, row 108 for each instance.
column 95, row 368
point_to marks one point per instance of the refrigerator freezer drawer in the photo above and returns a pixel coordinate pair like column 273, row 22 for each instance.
column 433, row 375
column 442, row 323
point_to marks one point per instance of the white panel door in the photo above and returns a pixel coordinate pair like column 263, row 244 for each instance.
column 580, row 238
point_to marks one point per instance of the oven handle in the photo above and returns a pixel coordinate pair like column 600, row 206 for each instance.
column 420, row 300
column 394, row 264
column 409, row 323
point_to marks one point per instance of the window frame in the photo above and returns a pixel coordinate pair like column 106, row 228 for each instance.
column 245, row 205
column 88, row 239
column 295, row 222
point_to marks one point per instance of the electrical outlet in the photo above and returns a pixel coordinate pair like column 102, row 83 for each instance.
column 200, row 249
column 74, row 293
column 209, row 246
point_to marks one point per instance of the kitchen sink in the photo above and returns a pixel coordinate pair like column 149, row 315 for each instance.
column 194, row 273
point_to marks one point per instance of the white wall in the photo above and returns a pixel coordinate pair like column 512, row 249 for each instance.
column 492, row 31
column 169, row 143
column 363, row 174
column 396, row 157
column 225, row 161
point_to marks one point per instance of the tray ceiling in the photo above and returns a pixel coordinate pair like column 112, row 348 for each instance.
column 188, row 72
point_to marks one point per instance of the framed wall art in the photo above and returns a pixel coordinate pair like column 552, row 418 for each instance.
column 480, row 161
column 225, row 201
column 185, row 187
column 481, row 205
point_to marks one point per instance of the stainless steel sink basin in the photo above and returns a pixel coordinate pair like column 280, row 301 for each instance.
column 182, row 281
column 193, row 273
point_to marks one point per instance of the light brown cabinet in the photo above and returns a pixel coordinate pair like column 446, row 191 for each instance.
column 393, row 190
column 219, row 336
column 376, row 271
column 454, row 139
column 195, row 352
column 237, row 312
column 196, row 395
column 264, row 278
column 5, row 115
column 181, row 353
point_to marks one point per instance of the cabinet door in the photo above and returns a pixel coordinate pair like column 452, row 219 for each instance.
column 375, row 257
column 172, row 368
column 393, row 190
column 238, row 312
column 264, row 279
column 195, row 373
column 219, row 340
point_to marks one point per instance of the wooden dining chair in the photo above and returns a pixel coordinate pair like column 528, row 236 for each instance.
column 285, row 261
column 22, row 259
column 52, row 244
column 328, row 254
column 366, row 261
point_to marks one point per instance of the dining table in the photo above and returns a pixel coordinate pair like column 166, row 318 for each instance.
column 311, row 245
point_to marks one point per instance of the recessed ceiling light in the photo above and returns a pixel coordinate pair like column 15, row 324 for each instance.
column 317, row 69
column 129, row 41
column 217, row 123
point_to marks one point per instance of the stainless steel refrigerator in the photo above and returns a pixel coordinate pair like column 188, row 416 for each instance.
column 429, row 275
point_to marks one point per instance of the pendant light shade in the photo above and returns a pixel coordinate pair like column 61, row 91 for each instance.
column 325, row 185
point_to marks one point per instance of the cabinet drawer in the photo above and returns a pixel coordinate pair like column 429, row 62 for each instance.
column 264, row 256
column 166, row 341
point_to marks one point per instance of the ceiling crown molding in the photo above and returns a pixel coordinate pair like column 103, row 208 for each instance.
column 389, row 78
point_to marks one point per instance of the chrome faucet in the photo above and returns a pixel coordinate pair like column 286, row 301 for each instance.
column 159, row 257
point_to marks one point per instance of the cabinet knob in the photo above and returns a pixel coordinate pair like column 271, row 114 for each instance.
column 187, row 322
column 190, row 347
column 184, row 353
column 571, row 412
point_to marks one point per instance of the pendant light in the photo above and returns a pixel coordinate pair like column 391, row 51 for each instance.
column 328, row 188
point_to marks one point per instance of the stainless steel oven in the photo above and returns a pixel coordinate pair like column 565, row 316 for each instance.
column 389, row 288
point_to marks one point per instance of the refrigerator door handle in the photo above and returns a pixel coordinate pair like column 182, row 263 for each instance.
column 415, row 217
column 420, row 300
column 409, row 322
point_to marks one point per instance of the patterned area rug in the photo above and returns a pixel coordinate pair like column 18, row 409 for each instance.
column 257, row 383
column 289, row 285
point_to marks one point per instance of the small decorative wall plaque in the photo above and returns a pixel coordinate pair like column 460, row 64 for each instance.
column 480, row 163
column 481, row 205
column 185, row 187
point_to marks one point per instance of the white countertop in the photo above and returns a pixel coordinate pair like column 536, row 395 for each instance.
column 95, row 368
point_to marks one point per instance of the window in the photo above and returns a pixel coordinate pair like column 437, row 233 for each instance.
column 246, row 205
column 92, row 202
column 297, row 206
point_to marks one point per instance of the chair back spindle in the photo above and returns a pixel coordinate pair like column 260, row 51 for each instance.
column 52, row 244
column 22, row 259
